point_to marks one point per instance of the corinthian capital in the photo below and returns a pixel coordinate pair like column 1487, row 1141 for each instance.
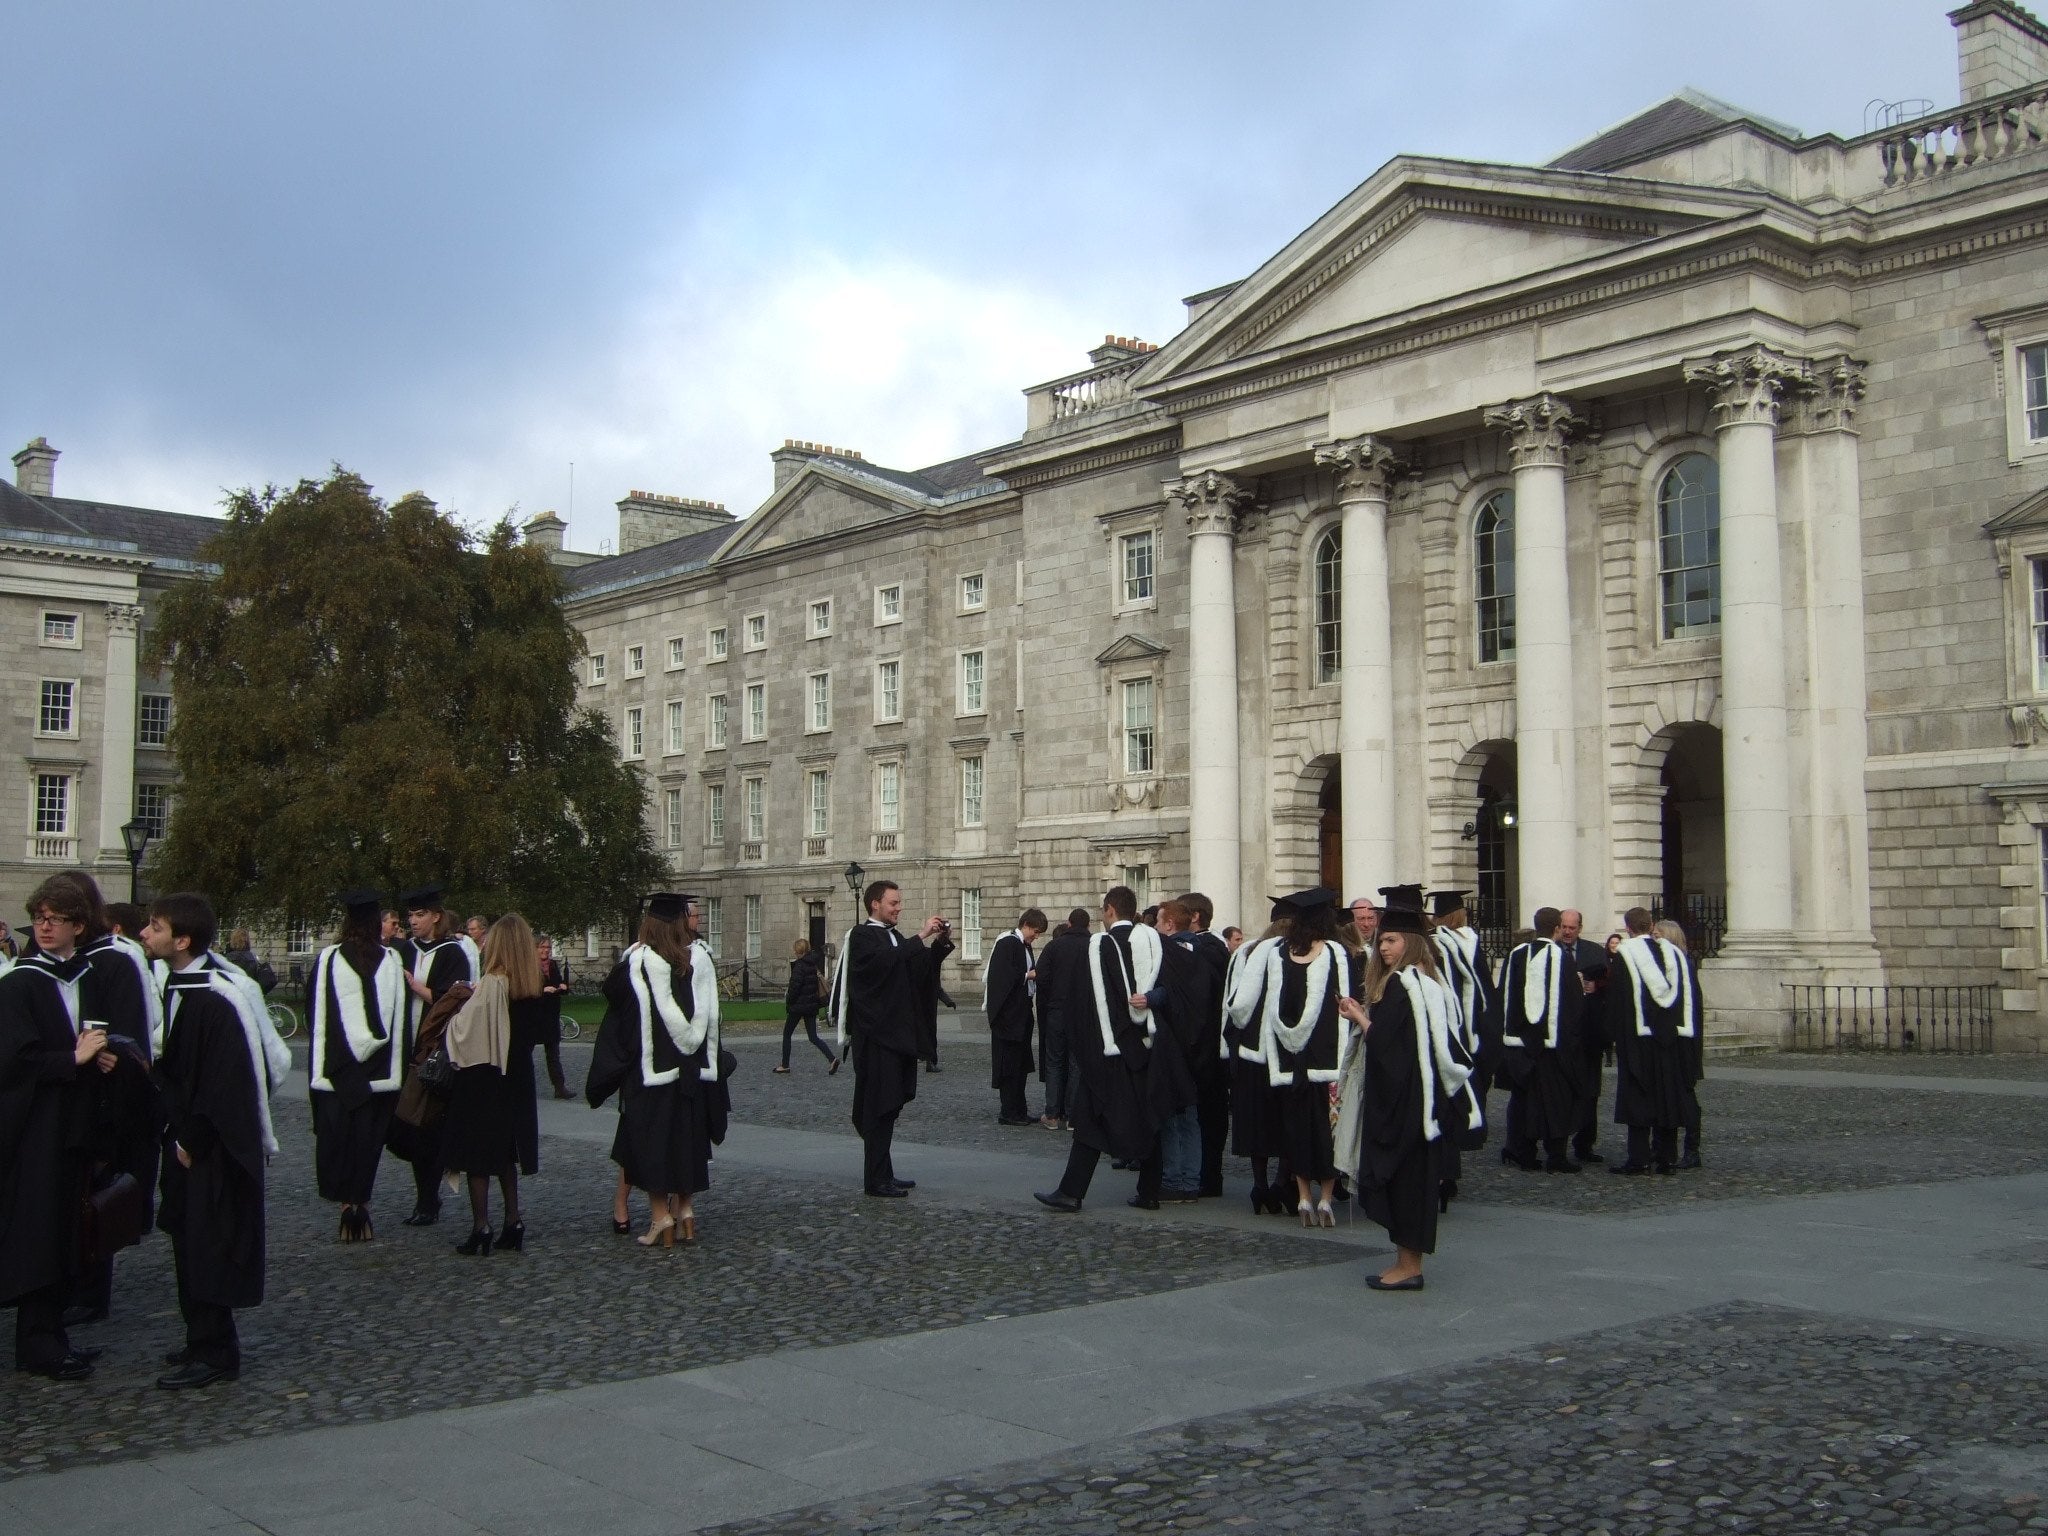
column 123, row 618
column 1748, row 386
column 1365, row 467
column 1212, row 502
column 1834, row 388
column 1537, row 428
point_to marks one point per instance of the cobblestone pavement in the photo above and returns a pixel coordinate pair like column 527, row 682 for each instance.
column 404, row 1325
column 1735, row 1419
column 1760, row 1140
column 1904, row 1064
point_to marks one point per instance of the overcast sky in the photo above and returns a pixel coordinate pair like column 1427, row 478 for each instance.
column 458, row 247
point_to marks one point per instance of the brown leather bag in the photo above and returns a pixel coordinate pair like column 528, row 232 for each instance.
column 110, row 1218
column 418, row 1103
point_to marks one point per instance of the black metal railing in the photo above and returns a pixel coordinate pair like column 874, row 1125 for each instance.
column 1951, row 1019
column 1495, row 926
column 1704, row 919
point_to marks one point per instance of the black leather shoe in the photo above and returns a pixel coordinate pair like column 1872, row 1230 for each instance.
column 1562, row 1165
column 1057, row 1200
column 479, row 1243
column 421, row 1217
column 89, row 1356
column 1629, row 1170
column 1123, row 1164
column 1140, row 1203
column 931, row 1066
column 177, row 1357
column 1526, row 1164
column 1667, row 1168
column 1016, row 1120
column 196, row 1373
column 890, row 1192
column 903, row 1183
column 1690, row 1160
column 513, row 1238
column 1589, row 1156
column 73, row 1367
column 1375, row 1283
column 79, row 1317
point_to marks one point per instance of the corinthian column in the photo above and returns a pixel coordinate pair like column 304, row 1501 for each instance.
column 1365, row 468
column 1537, row 430
column 1212, row 503
column 1746, row 389
column 117, row 731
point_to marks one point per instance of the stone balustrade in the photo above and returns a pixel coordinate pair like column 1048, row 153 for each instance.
column 1065, row 401
column 1994, row 129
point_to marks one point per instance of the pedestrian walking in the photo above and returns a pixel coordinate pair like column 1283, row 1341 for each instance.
column 800, row 1005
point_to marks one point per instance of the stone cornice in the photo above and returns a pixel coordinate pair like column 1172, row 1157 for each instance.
column 1072, row 461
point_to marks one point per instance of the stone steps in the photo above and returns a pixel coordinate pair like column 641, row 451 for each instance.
column 1740, row 1045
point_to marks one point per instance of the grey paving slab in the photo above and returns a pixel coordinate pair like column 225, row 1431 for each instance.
column 1918, row 1082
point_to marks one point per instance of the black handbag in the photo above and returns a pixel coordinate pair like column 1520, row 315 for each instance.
column 437, row 1071
column 110, row 1218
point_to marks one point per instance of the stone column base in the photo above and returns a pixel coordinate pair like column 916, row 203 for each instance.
column 1744, row 985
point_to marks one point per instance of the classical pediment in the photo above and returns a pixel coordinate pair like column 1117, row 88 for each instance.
column 1130, row 648
column 2030, row 513
column 818, row 501
column 1422, row 233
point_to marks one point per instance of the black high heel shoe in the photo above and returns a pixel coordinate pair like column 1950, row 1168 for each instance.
column 1276, row 1204
column 623, row 1228
column 1259, row 1202
column 513, row 1238
column 479, row 1242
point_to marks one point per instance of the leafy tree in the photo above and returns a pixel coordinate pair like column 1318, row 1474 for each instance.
column 363, row 699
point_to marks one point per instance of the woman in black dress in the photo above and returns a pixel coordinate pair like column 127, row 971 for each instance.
column 493, row 1125
column 1412, row 1095
column 658, row 1049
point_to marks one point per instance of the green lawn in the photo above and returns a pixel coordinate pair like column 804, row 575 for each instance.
column 587, row 1011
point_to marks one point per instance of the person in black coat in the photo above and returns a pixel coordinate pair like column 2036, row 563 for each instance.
column 50, row 1061
column 217, row 1092
column 1007, row 985
column 885, row 1000
column 1212, row 1072
column 355, row 1060
column 1542, row 1007
column 437, row 957
column 493, row 1124
column 800, row 1005
column 1059, row 962
column 1655, row 1018
column 547, row 1033
column 1592, row 961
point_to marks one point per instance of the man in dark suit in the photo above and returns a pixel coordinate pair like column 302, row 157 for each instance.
column 882, row 1001
column 1059, row 963
column 1591, row 961
column 1007, row 986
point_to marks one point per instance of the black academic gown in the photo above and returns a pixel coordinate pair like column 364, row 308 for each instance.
column 1009, row 1011
column 46, row 1117
column 352, row 1118
column 1401, row 1164
column 212, row 1093
column 1653, row 1071
column 666, row 1130
column 1300, row 1101
column 1551, row 1076
column 1059, row 958
column 891, row 1007
column 1117, row 1103
column 440, row 964
column 1254, row 1108
column 119, row 992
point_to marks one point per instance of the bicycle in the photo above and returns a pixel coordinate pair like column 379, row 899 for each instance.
column 572, row 1029
column 283, row 1020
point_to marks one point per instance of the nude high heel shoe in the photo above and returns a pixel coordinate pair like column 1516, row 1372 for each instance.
column 662, row 1232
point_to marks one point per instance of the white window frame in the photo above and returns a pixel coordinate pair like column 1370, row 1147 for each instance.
column 750, row 916
column 714, row 814
column 160, row 823
column 754, row 632
column 1145, row 736
column 678, row 653
column 717, row 643
column 633, row 733
column 818, row 802
column 818, row 618
column 977, row 704
column 970, row 922
column 754, row 712
column 973, row 778
column 672, row 817
column 754, row 808
column 68, row 817
column 77, row 618
column 636, row 661
column 889, row 807
column 72, row 700
column 888, row 595
column 674, row 718
column 1138, row 877
column 817, row 704
column 887, row 710
column 142, row 715
column 598, row 679
column 713, row 913
column 2013, row 336
column 1126, row 545
column 717, row 724
column 973, row 591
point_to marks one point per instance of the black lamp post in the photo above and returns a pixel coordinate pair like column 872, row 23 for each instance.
column 855, row 878
column 135, row 838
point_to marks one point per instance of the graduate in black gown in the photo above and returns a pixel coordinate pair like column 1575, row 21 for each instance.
column 50, row 1066
column 1467, row 972
column 1124, row 1087
column 1411, row 1096
column 884, row 1002
column 356, row 1007
column 1188, row 1001
column 1542, row 1005
column 437, row 957
column 1655, row 1016
column 493, row 1125
column 217, row 1094
column 1287, row 1003
column 1006, row 1000
column 658, row 1050
column 1212, row 1076
column 1254, row 1107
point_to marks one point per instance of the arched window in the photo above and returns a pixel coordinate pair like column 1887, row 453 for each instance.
column 1689, row 547
column 1329, row 605
column 1493, row 564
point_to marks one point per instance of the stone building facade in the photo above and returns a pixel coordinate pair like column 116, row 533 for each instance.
column 1664, row 524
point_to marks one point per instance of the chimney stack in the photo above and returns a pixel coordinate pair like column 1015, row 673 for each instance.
column 1999, row 47
column 545, row 530
column 35, row 469
column 794, row 454
column 648, row 518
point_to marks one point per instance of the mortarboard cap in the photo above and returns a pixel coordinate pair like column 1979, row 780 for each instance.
column 425, row 898
column 1444, row 903
column 1307, row 901
column 362, row 904
column 668, row 905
